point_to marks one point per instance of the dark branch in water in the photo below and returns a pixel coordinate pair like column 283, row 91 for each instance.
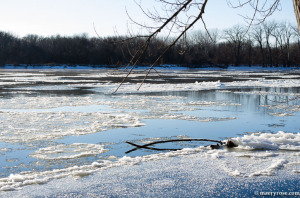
column 229, row 143
column 181, row 140
column 146, row 147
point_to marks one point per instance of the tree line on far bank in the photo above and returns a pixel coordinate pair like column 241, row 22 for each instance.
column 268, row 44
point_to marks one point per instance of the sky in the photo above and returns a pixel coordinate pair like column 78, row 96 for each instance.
column 74, row 17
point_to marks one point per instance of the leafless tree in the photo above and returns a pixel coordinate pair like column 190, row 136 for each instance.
column 249, row 47
column 206, row 39
column 268, row 31
column 283, row 34
column 258, row 37
column 177, row 17
column 297, row 35
column 236, row 37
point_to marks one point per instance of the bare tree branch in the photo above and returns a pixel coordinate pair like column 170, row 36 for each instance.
column 177, row 17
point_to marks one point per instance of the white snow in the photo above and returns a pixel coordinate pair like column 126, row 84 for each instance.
column 278, row 164
column 269, row 141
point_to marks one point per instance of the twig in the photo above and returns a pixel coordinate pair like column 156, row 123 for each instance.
column 175, row 41
column 146, row 146
column 179, row 140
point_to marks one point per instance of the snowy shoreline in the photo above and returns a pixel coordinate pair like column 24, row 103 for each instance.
column 200, row 170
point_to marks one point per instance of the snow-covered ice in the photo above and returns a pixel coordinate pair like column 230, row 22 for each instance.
column 60, row 133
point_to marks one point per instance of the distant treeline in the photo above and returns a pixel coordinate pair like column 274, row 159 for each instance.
column 269, row 44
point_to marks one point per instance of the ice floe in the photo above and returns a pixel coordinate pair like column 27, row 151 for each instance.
column 72, row 151
column 44, row 102
column 30, row 127
column 149, row 87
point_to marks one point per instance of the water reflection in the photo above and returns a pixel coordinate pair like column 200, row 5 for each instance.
column 251, row 117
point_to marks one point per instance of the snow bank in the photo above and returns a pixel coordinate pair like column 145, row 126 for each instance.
column 269, row 141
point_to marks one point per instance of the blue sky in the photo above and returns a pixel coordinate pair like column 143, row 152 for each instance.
column 71, row 17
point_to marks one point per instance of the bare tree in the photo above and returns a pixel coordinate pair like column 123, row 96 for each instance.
column 297, row 35
column 204, row 44
column 268, row 31
column 236, row 37
column 283, row 33
column 249, row 47
column 287, row 34
column 202, row 37
column 258, row 36
column 179, row 16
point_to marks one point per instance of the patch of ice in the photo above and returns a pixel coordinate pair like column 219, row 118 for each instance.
column 149, row 87
column 265, row 83
column 29, row 127
column 282, row 114
column 187, row 117
column 4, row 149
column 166, row 107
column 38, row 88
column 19, row 73
column 266, row 93
column 213, row 103
column 45, row 102
column 72, row 151
column 12, row 83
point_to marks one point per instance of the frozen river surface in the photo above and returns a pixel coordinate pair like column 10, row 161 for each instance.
column 63, row 133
